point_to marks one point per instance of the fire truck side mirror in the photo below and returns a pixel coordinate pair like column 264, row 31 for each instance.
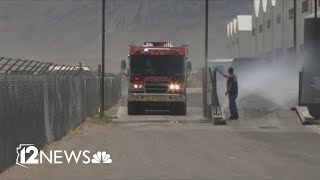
column 123, row 65
column 189, row 66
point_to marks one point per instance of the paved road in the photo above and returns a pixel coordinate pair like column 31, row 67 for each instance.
column 282, row 150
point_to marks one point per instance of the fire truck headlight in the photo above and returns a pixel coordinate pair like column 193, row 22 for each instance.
column 174, row 87
column 137, row 86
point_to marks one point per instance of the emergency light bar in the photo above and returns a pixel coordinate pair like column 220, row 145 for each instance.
column 156, row 49
column 157, row 44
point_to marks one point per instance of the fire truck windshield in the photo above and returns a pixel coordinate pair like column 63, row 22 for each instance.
column 157, row 65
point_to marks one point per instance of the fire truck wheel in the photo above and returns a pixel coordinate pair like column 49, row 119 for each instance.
column 140, row 108
column 132, row 108
column 180, row 109
column 135, row 108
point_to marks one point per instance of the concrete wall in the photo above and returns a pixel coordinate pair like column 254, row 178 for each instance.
column 231, row 37
column 288, row 26
column 239, row 40
column 228, row 44
column 236, row 37
column 245, row 47
column 278, row 24
column 267, row 30
column 260, row 35
column 254, row 34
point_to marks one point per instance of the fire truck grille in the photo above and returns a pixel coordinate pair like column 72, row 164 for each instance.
column 156, row 86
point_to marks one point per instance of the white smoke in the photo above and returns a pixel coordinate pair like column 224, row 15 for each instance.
column 264, row 87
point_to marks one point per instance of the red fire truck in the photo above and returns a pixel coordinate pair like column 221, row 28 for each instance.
column 157, row 77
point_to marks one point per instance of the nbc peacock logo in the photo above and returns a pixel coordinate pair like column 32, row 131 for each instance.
column 101, row 157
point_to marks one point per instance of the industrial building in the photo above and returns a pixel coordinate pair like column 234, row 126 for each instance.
column 272, row 29
column 239, row 33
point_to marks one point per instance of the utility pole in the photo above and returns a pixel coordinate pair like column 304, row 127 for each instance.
column 272, row 26
column 103, row 58
column 315, row 9
column 256, row 36
column 205, row 73
column 263, row 30
column 295, row 26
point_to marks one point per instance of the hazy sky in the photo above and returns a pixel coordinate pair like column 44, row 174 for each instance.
column 69, row 31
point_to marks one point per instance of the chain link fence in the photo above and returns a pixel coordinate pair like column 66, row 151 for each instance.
column 39, row 107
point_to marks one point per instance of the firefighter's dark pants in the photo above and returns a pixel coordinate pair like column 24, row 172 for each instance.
column 233, row 105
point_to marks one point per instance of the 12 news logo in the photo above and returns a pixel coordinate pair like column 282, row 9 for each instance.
column 28, row 154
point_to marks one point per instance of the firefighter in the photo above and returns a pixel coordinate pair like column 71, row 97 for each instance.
column 232, row 91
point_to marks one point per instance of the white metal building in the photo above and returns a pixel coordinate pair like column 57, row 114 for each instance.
column 267, row 27
column 272, row 29
column 260, row 25
column 278, row 26
column 243, row 35
column 239, row 33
